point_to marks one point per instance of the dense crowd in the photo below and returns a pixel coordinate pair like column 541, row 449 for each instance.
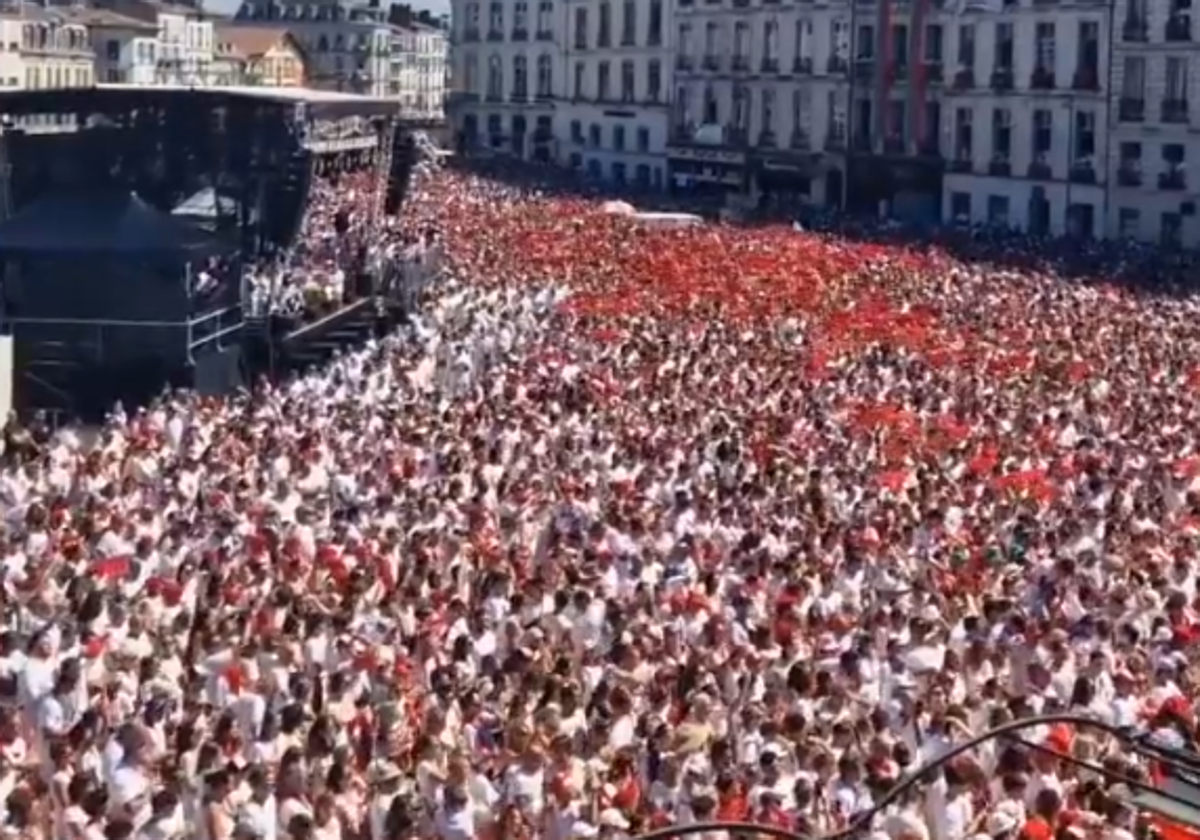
column 628, row 528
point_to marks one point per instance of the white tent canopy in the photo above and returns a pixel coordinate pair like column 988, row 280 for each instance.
column 208, row 204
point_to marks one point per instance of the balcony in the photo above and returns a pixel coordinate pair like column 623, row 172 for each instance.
column 628, row 39
column 964, row 79
column 1086, row 79
column 1040, row 171
column 1175, row 111
column 1174, row 180
column 1178, row 29
column 711, row 62
column 929, row 149
column 864, row 69
column 519, row 35
column 1003, row 79
column 689, row 135
column 802, row 66
column 767, row 139
column 835, row 141
column 1135, row 31
column 518, row 97
column 894, row 145
column 769, row 65
column 933, row 72
column 470, row 35
column 1082, row 172
column 544, row 96
column 1129, row 174
column 581, row 44
column 493, row 96
column 1041, row 79
column 961, row 163
column 1000, row 168
column 836, row 65
column 1131, row 110
column 684, row 63
column 800, row 141
column 545, row 35
column 495, row 36
column 899, row 72
column 740, row 64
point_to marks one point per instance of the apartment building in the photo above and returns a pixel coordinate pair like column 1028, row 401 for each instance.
column 418, row 69
column 186, row 43
column 614, row 117
column 760, row 97
column 259, row 56
column 347, row 43
column 1153, row 127
column 1027, row 115
column 126, row 48
column 507, row 67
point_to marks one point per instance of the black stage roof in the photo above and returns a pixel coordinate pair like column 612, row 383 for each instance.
column 318, row 104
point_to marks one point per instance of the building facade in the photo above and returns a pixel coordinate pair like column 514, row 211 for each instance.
column 186, row 43
column 1154, row 129
column 347, row 43
column 126, row 48
column 260, row 56
column 418, row 69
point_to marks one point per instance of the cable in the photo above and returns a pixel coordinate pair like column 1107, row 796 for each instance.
column 1138, row 740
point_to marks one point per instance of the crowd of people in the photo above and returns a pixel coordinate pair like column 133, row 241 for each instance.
column 627, row 528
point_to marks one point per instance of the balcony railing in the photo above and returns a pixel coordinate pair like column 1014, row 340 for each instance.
column 802, row 65
column 1000, row 169
column 1175, row 181
column 864, row 68
column 493, row 96
column 684, row 63
column 964, row 79
column 711, row 62
column 1129, row 175
column 861, row 143
column 835, row 141
column 836, row 65
column 769, row 65
column 470, row 35
column 1086, row 78
column 1082, row 172
column 767, row 139
column 1135, row 30
column 740, row 64
column 1178, row 29
column 933, row 71
column 1040, row 171
column 899, row 72
column 1175, row 111
column 1131, row 110
column 495, row 35
column 518, row 96
column 520, row 35
column 545, row 35
column 894, row 145
column 1003, row 79
column 800, row 141
column 1041, row 79
column 961, row 162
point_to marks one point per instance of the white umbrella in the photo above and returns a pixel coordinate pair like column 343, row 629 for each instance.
column 618, row 208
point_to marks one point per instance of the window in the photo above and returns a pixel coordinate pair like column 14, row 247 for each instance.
column 801, row 109
column 683, row 44
column 839, row 36
column 1088, row 54
column 1131, row 153
column 770, row 49
column 604, row 36
column 603, row 81
column 963, row 140
column 642, row 175
column 741, row 108
column 545, row 17
column 960, row 207
column 767, row 111
column 1177, row 72
column 545, row 76
column 520, row 88
column 1046, row 46
column 654, row 80
column 619, row 138
column 113, row 49
column 712, row 38
column 900, row 45
column 1173, row 154
column 804, row 32
column 1001, row 135
column 594, row 135
column 629, row 23
column 1004, row 46
column 1133, row 83
column 580, row 92
column 683, row 106
column 576, row 131
column 643, row 139
column 864, row 43
column 711, row 114
column 896, row 117
column 966, row 46
column 741, row 39
column 1171, row 230
column 997, row 210
column 520, row 17
column 581, row 28
column 1043, row 132
column 933, row 42
column 496, row 18
column 1085, row 136
column 618, row 172
column 654, row 36
column 495, row 84
column 1129, row 222
column 628, row 81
